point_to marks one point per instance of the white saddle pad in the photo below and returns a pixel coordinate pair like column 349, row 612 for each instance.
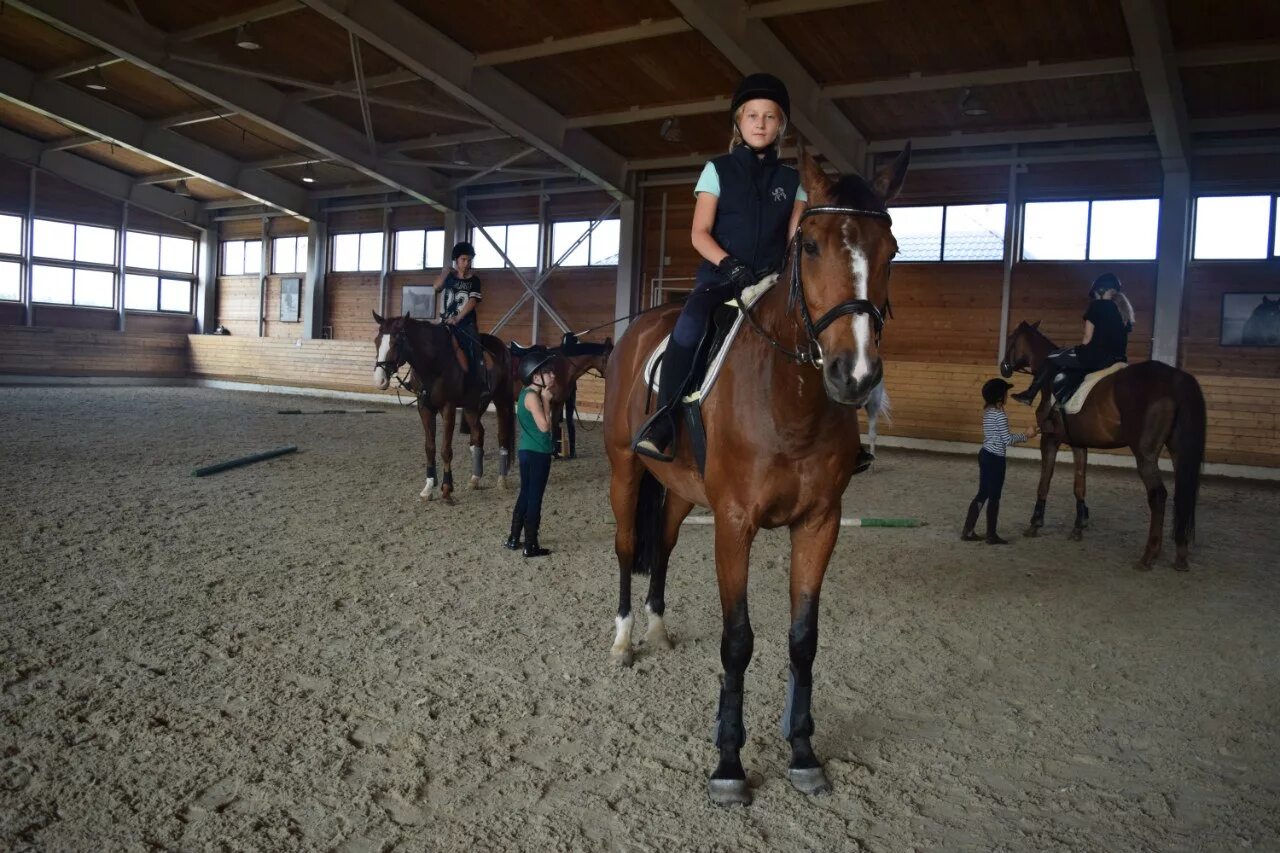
column 749, row 298
column 1076, row 403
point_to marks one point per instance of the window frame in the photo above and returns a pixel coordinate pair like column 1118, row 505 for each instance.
column 426, row 243
column 942, row 234
column 20, row 258
column 300, row 240
column 1088, row 230
column 475, row 239
column 222, row 256
column 161, row 275
column 551, row 237
column 360, row 235
column 90, row 266
column 1273, row 229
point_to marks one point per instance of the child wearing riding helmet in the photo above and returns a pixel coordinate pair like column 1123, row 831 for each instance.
column 1107, row 324
column 996, row 438
column 748, row 205
column 459, row 288
column 534, row 447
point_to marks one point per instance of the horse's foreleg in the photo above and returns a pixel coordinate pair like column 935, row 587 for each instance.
column 811, row 547
column 1157, row 494
column 728, row 785
column 428, row 419
column 1048, row 456
column 477, row 447
column 1080, row 456
column 655, row 605
column 557, row 420
column 570, row 425
column 505, row 409
column 449, row 416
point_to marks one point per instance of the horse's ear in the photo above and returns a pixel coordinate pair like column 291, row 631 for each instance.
column 888, row 179
column 377, row 319
column 1036, row 324
column 815, row 181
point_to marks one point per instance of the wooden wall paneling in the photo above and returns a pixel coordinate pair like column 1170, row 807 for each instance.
column 59, row 199
column 945, row 312
column 1207, row 281
column 416, row 216
column 237, row 304
column 240, row 229
column 679, row 247
column 72, row 317
column 42, row 351
column 336, row 365
column 172, row 324
column 13, row 314
column 349, row 300
column 1139, row 178
column 1057, row 294
column 144, row 220
column 347, row 221
column 14, row 186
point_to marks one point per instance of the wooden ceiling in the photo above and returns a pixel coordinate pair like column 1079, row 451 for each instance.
column 679, row 69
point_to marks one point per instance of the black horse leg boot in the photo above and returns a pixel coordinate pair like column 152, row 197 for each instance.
column 658, row 433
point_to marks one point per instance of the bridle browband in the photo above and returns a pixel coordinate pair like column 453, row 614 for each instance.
column 811, row 352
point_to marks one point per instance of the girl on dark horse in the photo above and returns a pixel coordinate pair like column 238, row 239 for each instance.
column 459, row 288
column 748, row 204
column 1107, row 324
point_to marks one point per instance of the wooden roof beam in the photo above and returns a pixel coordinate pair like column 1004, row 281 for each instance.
column 1157, row 64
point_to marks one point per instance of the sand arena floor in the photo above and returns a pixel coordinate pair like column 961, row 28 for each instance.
column 301, row 655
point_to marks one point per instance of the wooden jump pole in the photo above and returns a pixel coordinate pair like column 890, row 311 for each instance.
column 243, row 460
column 844, row 522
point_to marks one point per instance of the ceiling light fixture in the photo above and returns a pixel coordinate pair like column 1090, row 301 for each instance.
column 970, row 105
column 181, row 189
column 96, row 81
column 459, row 156
column 670, row 130
column 244, row 41
column 308, row 174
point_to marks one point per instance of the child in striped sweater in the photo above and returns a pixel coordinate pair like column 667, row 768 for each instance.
column 991, row 461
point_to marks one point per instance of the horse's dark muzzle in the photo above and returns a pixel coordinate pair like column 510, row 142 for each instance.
column 841, row 385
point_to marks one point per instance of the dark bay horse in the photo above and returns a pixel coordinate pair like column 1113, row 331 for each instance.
column 442, row 384
column 782, row 442
column 1144, row 407
column 572, row 360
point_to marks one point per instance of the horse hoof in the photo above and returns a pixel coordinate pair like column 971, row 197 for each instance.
column 427, row 496
column 729, row 792
column 1077, row 534
column 658, row 640
column 502, row 483
column 809, row 780
column 1031, row 532
column 1181, row 565
column 1143, row 566
column 622, row 658
column 473, row 483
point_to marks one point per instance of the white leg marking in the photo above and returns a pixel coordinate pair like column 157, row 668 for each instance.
column 656, row 633
column 428, row 491
column 861, row 323
column 621, row 651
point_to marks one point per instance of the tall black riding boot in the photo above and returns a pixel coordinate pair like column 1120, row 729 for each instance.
column 971, row 521
column 513, row 541
column 1028, row 397
column 658, row 433
column 531, row 546
column 993, row 515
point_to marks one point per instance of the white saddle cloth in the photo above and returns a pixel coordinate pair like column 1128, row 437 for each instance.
column 1076, row 403
column 749, row 298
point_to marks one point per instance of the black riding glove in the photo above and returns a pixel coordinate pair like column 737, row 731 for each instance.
column 736, row 273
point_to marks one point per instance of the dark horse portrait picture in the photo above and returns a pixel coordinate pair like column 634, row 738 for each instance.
column 1251, row 319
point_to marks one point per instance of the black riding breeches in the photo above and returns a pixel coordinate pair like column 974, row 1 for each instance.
column 991, row 468
column 535, row 470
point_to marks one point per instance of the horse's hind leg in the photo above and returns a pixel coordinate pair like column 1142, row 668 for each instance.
column 655, row 605
column 811, row 549
column 473, row 420
column 448, row 415
column 624, row 494
column 1081, row 458
column 1048, row 456
column 1157, row 494
column 428, row 419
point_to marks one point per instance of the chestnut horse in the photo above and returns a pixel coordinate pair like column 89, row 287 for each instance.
column 782, row 442
column 442, row 384
column 1144, row 407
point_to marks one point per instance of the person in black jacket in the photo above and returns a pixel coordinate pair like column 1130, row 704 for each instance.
column 748, row 204
column 1107, row 324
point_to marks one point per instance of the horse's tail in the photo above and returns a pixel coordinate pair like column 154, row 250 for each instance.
column 1187, row 444
column 650, row 503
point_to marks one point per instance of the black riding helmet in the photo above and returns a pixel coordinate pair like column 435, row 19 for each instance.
column 1103, row 283
column 532, row 362
column 463, row 248
column 994, row 391
column 761, row 86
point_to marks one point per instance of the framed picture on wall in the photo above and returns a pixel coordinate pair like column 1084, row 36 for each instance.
column 290, row 300
column 1250, row 320
column 418, row 301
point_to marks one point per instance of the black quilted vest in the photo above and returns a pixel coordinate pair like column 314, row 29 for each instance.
column 756, row 199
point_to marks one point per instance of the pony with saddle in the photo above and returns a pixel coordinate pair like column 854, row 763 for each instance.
column 776, row 444
column 571, row 360
column 441, row 380
column 1145, row 407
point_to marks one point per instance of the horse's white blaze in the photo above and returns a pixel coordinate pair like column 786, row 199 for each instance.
column 622, row 635
column 380, row 377
column 861, row 323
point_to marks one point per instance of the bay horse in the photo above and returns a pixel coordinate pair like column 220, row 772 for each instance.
column 572, row 360
column 782, row 442
column 443, row 385
column 1144, row 407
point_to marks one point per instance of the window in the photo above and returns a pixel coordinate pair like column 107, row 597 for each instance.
column 419, row 250
column 520, row 242
column 10, row 235
column 1232, row 227
column 961, row 232
column 242, row 257
column 1112, row 230
column 600, row 248
column 76, row 264
column 289, row 255
column 10, row 267
column 357, row 252
column 161, row 272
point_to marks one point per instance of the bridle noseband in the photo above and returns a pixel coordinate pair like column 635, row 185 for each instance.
column 811, row 352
